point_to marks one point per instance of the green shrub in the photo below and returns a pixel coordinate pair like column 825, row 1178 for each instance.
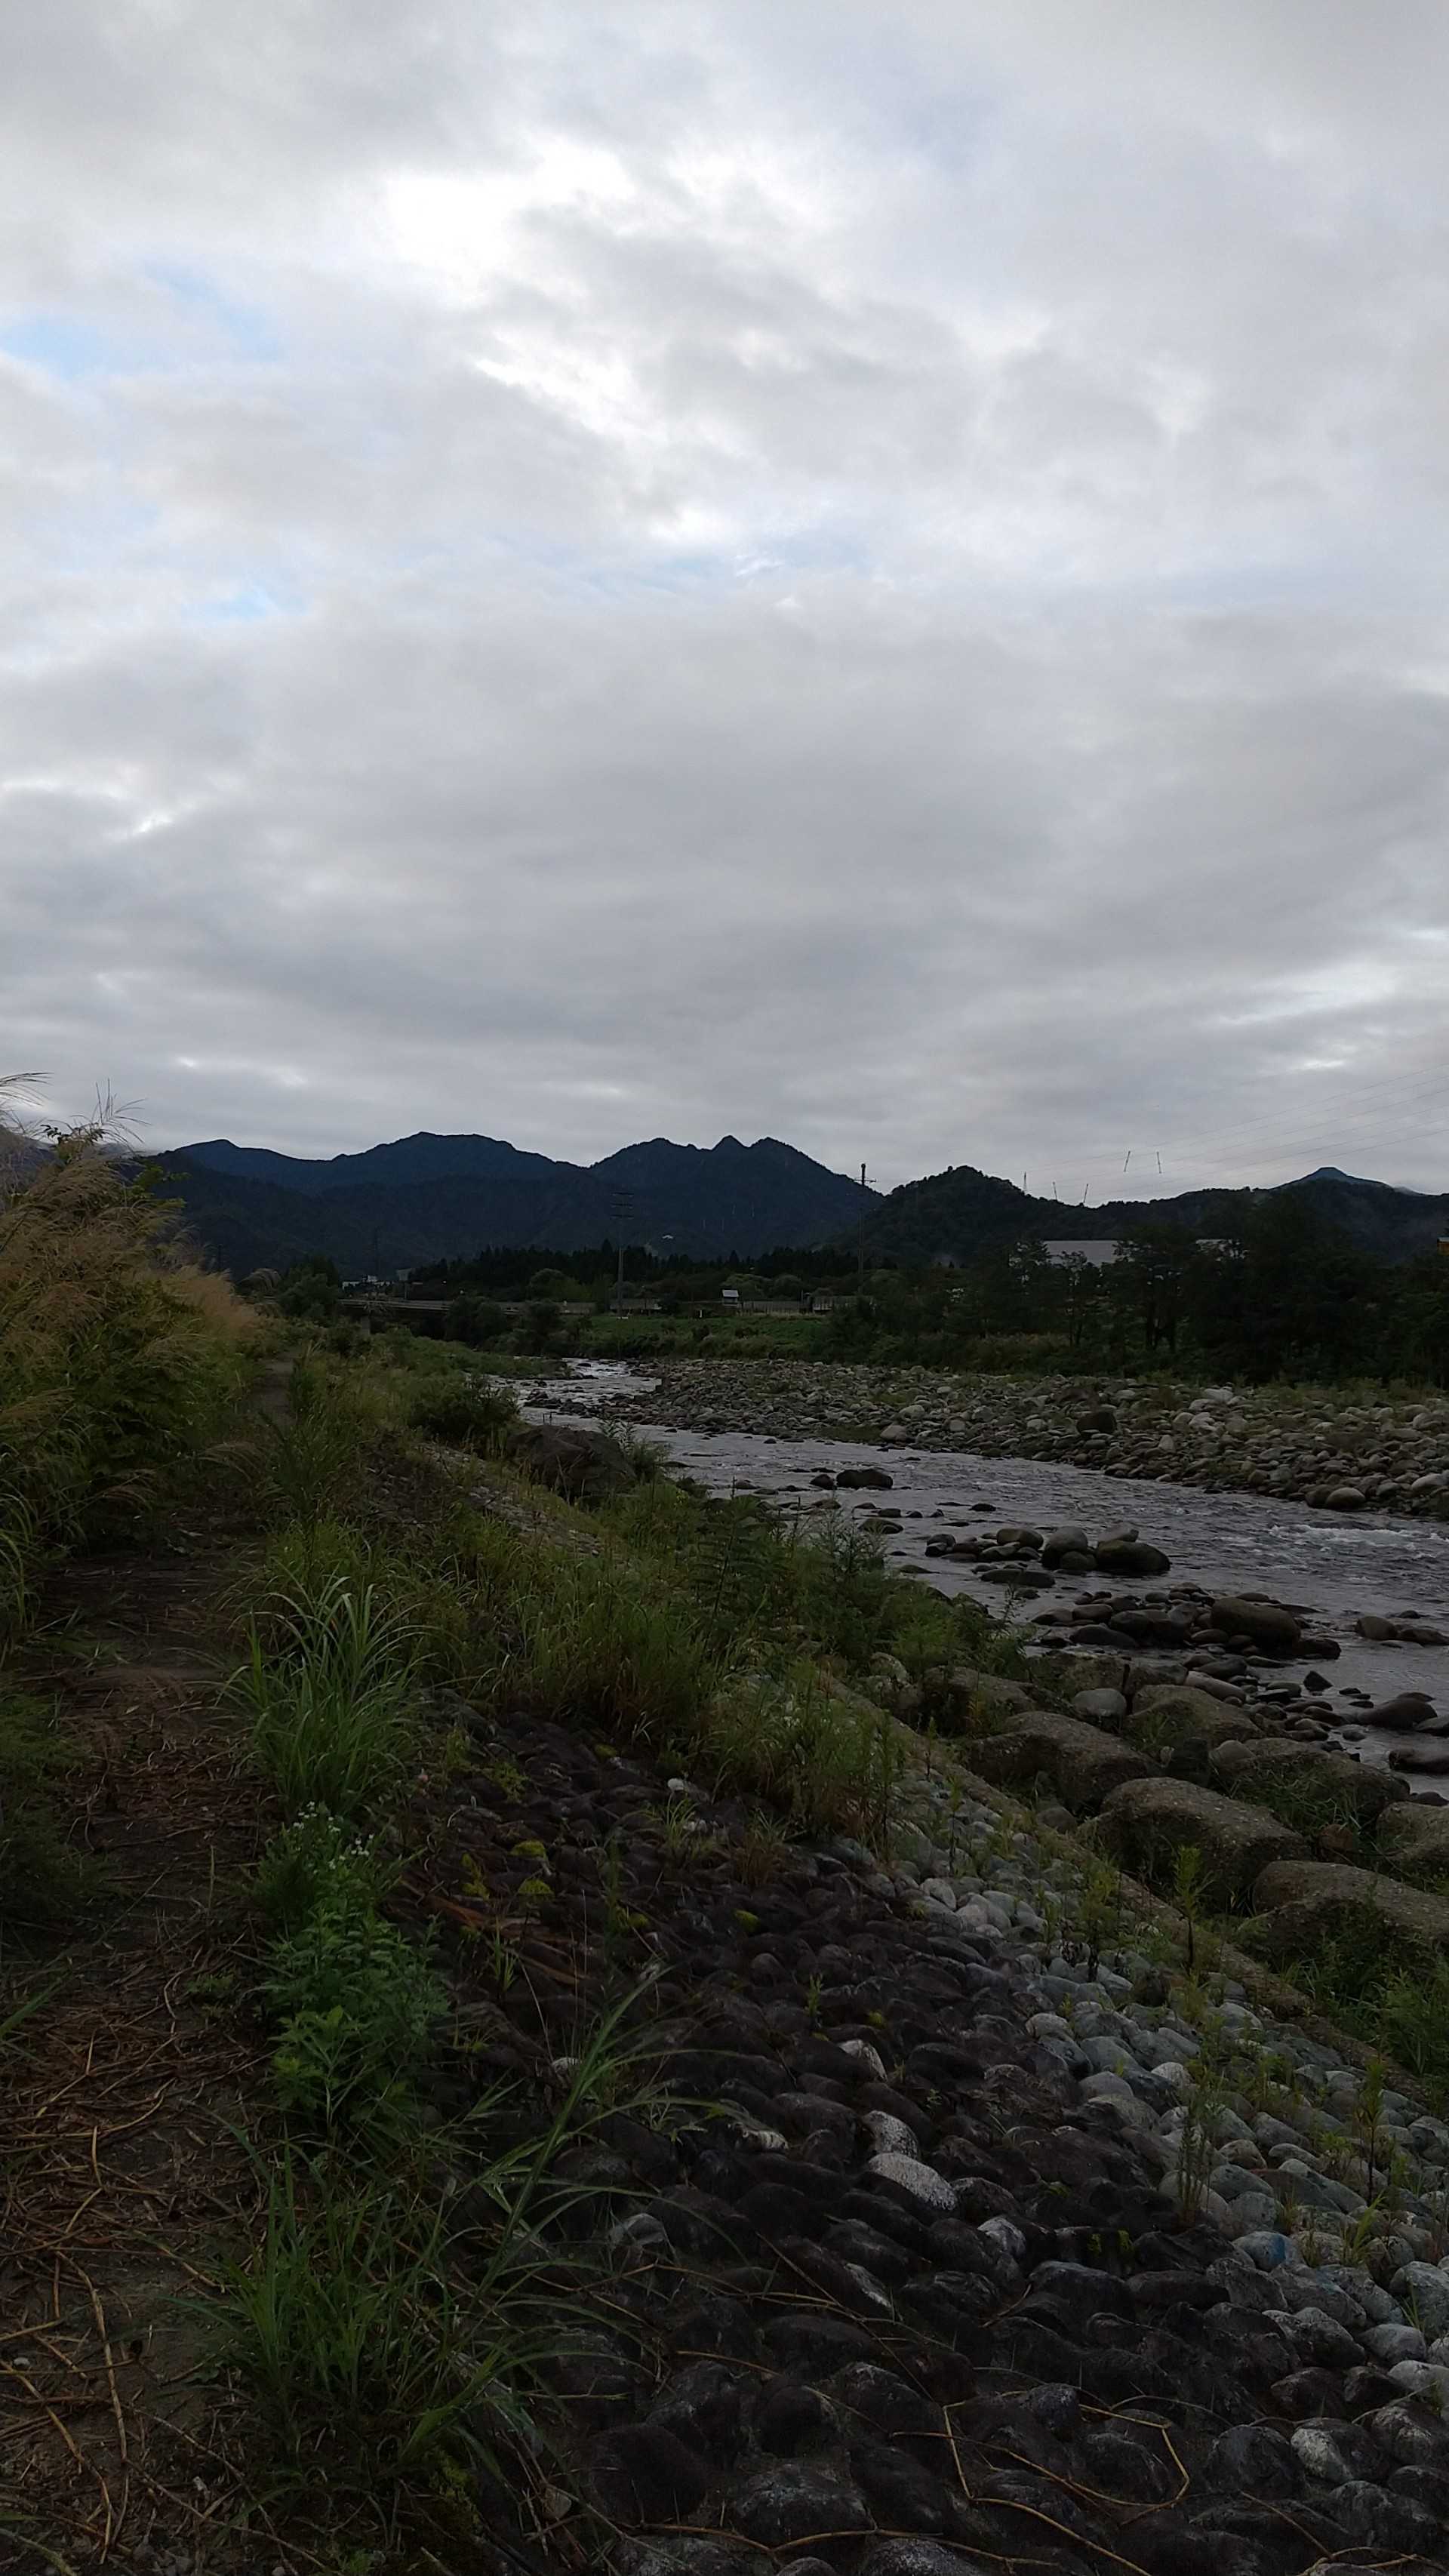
column 465, row 1411
column 332, row 1697
column 118, row 1361
column 475, row 1320
column 357, row 2003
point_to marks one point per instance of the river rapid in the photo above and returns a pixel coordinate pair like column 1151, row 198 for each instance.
column 1315, row 1560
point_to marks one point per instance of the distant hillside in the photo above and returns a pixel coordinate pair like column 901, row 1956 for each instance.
column 428, row 1198
column 962, row 1211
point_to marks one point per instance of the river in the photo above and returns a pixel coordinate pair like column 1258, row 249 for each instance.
column 1316, row 1560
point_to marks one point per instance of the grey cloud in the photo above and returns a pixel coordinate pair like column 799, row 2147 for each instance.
column 679, row 569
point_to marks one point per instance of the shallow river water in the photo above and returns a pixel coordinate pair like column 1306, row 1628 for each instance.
column 1332, row 1566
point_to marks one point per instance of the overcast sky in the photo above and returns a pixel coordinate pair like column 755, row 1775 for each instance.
column 874, row 574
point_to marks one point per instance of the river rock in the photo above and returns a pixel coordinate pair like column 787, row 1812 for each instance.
column 587, row 1466
column 1171, row 1713
column 1267, row 1623
column 1061, row 1543
column 1129, row 1556
column 1083, row 1764
column 1430, row 1761
column 876, row 1479
column 1248, row 1770
column 1099, row 1707
column 1411, row 1630
column 985, row 1696
column 1145, row 1823
column 1308, row 1901
column 1405, row 1711
column 1413, row 1840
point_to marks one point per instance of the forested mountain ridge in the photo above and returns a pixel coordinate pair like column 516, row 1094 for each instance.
column 427, row 1198
column 960, row 1212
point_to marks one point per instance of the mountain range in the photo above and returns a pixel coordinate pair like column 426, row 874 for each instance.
column 429, row 1198
column 961, row 1211
column 426, row 1198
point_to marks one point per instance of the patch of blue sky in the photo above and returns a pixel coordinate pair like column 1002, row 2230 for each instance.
column 247, row 604
column 767, row 556
column 57, row 344
column 250, row 333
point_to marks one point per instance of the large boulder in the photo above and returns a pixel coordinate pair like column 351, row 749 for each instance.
column 1165, row 1715
column 1413, row 1840
column 1129, row 1556
column 1063, row 1545
column 587, row 1466
column 1100, row 1420
column 1408, row 1631
column 1145, row 1824
column 1266, row 1624
column 1307, row 1902
column 1326, row 1785
column 1083, row 1764
column 980, row 1699
column 1401, row 1714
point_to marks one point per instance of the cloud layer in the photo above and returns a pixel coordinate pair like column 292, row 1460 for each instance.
column 868, row 575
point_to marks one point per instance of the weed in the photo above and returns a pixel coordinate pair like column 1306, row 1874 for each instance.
column 1187, row 1887
column 682, row 1830
column 393, row 2335
column 759, row 1851
column 316, row 1860
column 1098, row 1920
column 357, row 2004
column 331, row 1705
column 1208, row 2077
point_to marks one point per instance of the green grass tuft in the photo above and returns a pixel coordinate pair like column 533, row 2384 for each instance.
column 332, row 1697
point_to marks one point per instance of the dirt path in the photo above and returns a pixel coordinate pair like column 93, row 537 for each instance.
column 123, row 2092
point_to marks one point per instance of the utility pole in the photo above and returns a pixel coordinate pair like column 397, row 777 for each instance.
column 860, row 1243
column 622, row 1209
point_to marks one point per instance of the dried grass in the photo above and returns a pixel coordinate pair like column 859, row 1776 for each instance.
column 117, row 1354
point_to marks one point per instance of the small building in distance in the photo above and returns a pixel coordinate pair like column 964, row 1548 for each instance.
column 1097, row 1250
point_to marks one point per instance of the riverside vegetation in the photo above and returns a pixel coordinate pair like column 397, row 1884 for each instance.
column 529, row 2042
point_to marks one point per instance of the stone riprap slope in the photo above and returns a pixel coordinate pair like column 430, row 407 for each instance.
column 1319, row 1447
column 1002, row 2249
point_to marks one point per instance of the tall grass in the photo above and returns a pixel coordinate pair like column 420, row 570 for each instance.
column 318, row 1455
column 331, row 1687
column 395, row 2332
column 629, row 1648
column 117, row 1358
